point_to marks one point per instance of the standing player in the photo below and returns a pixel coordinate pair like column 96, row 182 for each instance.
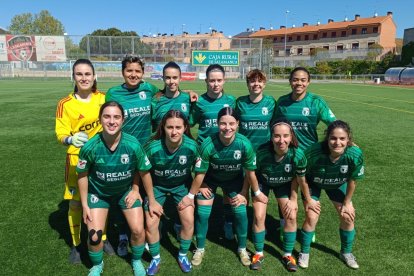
column 173, row 154
column 171, row 97
column 204, row 113
column 77, row 121
column 334, row 165
column 303, row 109
column 256, row 110
column 107, row 167
column 279, row 161
column 223, row 157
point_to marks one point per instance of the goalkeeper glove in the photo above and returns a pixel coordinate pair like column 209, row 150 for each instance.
column 78, row 139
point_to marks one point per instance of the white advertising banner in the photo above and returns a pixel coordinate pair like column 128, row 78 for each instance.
column 50, row 48
column 3, row 48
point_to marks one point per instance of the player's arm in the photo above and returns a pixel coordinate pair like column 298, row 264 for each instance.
column 254, row 184
column 154, row 207
column 83, row 192
column 188, row 200
column 133, row 195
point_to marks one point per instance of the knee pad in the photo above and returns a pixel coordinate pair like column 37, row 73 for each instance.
column 98, row 233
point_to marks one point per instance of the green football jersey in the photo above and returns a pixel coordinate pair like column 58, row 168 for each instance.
column 305, row 116
column 255, row 119
column 275, row 174
column 112, row 172
column 137, row 107
column 327, row 175
column 161, row 105
column 172, row 169
column 204, row 113
column 224, row 164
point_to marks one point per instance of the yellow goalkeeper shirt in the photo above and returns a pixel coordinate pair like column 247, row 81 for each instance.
column 73, row 116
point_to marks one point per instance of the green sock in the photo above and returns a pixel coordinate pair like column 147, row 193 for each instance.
column 96, row 257
column 289, row 239
column 154, row 249
column 258, row 240
column 240, row 216
column 137, row 251
column 201, row 224
column 184, row 246
column 306, row 240
column 228, row 213
column 347, row 240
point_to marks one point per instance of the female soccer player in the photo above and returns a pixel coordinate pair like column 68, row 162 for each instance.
column 77, row 121
column 173, row 153
column 204, row 113
column 256, row 110
column 223, row 157
column 171, row 97
column 279, row 161
column 303, row 109
column 107, row 166
column 334, row 165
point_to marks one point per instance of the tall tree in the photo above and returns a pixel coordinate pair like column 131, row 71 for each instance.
column 42, row 23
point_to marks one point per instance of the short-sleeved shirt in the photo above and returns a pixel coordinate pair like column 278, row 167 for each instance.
column 204, row 113
column 275, row 174
column 172, row 169
column 111, row 173
column 224, row 164
column 255, row 118
column 305, row 116
column 327, row 175
column 137, row 107
column 161, row 104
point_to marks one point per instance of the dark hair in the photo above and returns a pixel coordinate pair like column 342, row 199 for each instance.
column 332, row 126
column 228, row 111
column 283, row 121
column 255, row 74
column 160, row 133
column 299, row 69
column 132, row 59
column 87, row 62
column 213, row 68
column 170, row 64
column 111, row 103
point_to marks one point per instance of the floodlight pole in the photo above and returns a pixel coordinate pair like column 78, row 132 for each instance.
column 284, row 55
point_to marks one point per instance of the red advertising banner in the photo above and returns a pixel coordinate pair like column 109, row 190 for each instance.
column 21, row 48
column 188, row 76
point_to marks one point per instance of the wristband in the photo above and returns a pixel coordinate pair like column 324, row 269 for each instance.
column 258, row 192
column 190, row 195
column 68, row 140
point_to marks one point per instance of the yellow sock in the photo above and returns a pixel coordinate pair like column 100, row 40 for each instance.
column 74, row 218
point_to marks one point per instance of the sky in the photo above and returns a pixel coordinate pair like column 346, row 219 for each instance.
column 230, row 17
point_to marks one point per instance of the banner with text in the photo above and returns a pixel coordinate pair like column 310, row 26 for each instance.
column 224, row 58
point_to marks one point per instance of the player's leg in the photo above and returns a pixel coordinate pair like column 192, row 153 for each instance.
column 203, row 211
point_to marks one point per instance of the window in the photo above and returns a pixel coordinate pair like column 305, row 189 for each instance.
column 355, row 45
column 354, row 31
column 275, row 39
column 245, row 53
column 290, row 38
column 375, row 30
column 339, row 47
column 370, row 44
column 324, row 35
column 326, row 47
column 343, row 33
column 315, row 37
column 333, row 34
column 306, row 37
column 298, row 38
column 300, row 51
column 364, row 31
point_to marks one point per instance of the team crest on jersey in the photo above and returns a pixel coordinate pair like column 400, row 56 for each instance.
column 361, row 171
column 225, row 105
column 81, row 164
column 344, row 169
column 100, row 175
column 265, row 111
column 94, row 199
column 288, row 168
column 142, row 95
column 198, row 162
column 305, row 111
column 237, row 154
column 183, row 107
column 182, row 159
column 124, row 158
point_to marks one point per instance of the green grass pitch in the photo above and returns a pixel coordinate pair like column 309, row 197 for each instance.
column 34, row 235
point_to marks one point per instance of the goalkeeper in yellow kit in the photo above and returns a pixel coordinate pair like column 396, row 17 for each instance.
column 77, row 120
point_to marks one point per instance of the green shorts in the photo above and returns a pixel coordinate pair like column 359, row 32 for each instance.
column 97, row 201
column 282, row 191
column 161, row 193
column 230, row 189
column 336, row 194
